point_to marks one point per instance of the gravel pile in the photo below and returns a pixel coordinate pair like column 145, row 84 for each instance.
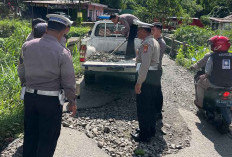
column 104, row 57
column 110, row 126
column 14, row 149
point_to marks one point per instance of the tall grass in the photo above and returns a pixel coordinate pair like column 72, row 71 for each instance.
column 11, row 107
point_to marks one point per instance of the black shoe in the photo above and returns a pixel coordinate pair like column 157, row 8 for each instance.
column 138, row 138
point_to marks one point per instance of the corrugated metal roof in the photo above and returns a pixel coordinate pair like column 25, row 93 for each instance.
column 60, row 2
column 53, row 2
column 227, row 19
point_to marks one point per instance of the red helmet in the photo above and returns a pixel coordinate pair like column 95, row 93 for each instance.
column 219, row 43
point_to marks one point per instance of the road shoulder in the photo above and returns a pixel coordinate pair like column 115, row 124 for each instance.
column 73, row 143
column 206, row 141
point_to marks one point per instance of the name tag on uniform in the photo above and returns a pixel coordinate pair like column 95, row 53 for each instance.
column 226, row 64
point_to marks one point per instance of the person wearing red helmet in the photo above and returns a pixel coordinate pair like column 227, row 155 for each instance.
column 219, row 64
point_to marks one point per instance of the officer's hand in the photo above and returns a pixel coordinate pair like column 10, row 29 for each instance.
column 138, row 88
column 117, row 32
column 72, row 108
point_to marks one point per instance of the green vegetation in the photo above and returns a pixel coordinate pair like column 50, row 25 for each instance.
column 147, row 10
column 139, row 152
column 196, row 38
column 193, row 35
column 11, row 108
column 12, row 36
column 76, row 60
column 78, row 31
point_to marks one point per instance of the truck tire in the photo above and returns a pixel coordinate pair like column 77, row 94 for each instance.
column 89, row 78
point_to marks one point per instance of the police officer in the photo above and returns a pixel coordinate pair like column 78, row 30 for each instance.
column 157, row 33
column 40, row 29
column 147, row 85
column 130, row 31
column 45, row 68
column 34, row 22
column 64, row 39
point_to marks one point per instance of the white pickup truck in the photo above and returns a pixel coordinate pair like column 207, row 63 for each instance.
column 103, row 40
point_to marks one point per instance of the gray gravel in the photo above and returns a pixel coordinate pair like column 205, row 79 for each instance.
column 110, row 125
column 107, row 57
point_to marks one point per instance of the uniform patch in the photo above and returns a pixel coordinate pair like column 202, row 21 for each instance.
column 145, row 48
column 226, row 64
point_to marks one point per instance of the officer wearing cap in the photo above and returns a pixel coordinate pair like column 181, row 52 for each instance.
column 157, row 33
column 147, row 84
column 45, row 68
column 40, row 29
column 63, row 41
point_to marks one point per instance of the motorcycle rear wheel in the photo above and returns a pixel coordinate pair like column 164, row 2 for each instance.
column 223, row 127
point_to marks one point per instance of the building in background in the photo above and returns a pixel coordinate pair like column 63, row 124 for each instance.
column 221, row 23
column 87, row 10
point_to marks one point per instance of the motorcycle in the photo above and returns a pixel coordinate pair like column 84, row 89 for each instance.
column 217, row 106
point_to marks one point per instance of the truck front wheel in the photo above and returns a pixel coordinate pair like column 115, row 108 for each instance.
column 89, row 78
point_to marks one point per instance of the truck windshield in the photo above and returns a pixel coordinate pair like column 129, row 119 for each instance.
column 109, row 31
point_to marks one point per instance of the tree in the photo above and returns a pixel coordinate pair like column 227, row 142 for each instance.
column 219, row 11
column 191, row 7
column 147, row 10
column 112, row 3
column 128, row 4
column 208, row 5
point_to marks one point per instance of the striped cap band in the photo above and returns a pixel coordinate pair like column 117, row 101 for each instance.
column 58, row 20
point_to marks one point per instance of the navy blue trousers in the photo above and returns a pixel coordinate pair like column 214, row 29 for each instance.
column 147, row 103
column 42, row 125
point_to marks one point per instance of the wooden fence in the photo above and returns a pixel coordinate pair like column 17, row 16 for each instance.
column 173, row 45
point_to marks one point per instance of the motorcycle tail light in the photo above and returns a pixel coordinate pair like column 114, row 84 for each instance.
column 226, row 94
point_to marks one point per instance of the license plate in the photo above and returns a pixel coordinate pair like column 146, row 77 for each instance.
column 223, row 103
